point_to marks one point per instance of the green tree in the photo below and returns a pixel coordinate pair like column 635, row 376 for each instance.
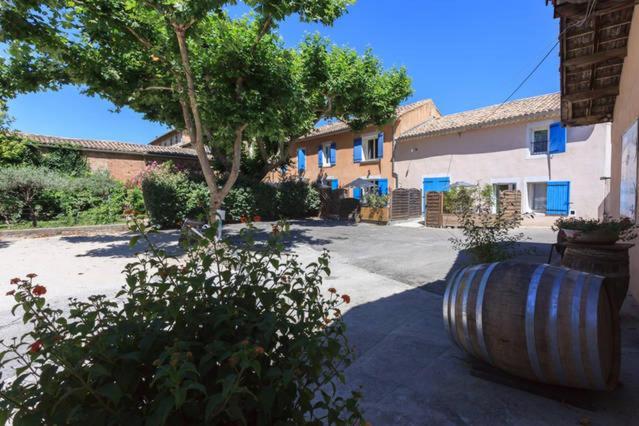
column 26, row 183
column 188, row 64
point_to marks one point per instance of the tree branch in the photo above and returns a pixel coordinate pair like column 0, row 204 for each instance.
column 235, row 167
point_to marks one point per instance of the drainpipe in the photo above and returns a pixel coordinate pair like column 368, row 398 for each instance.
column 393, row 173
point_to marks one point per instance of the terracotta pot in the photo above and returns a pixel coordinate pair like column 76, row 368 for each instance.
column 591, row 237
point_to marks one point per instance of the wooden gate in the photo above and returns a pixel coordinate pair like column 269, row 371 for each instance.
column 434, row 209
column 510, row 202
column 406, row 203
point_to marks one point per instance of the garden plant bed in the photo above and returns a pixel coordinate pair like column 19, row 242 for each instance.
column 379, row 215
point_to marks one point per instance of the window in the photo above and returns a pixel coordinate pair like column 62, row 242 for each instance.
column 539, row 141
column 537, row 196
column 370, row 148
column 326, row 148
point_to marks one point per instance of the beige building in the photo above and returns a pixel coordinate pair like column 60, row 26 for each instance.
column 518, row 145
column 600, row 82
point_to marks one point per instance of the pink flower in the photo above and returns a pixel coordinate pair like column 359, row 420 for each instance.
column 11, row 293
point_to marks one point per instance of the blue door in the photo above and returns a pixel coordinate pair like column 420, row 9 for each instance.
column 439, row 184
column 558, row 198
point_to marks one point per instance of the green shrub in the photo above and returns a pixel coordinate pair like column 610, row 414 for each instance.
column 26, row 184
column 296, row 199
column 377, row 201
column 170, row 197
column 240, row 202
column 487, row 236
column 223, row 336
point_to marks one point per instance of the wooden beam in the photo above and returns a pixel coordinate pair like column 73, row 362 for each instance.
column 602, row 56
column 587, row 120
column 592, row 94
column 571, row 10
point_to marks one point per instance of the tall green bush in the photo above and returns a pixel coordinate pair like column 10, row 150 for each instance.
column 170, row 197
column 226, row 335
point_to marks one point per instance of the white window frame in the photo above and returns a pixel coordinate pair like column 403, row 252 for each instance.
column 531, row 139
column 530, row 195
column 365, row 139
column 326, row 153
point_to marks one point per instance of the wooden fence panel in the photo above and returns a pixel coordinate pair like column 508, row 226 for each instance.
column 434, row 209
column 510, row 202
column 405, row 203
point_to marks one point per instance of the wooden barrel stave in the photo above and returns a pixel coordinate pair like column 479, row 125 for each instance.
column 549, row 324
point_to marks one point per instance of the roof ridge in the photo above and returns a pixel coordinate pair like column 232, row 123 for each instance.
column 516, row 109
column 502, row 104
column 77, row 139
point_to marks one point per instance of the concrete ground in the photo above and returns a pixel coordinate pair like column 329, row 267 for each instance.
column 409, row 371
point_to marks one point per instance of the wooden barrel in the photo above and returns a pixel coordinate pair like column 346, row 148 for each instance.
column 610, row 261
column 540, row 322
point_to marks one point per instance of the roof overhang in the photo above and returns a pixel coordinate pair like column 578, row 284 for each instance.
column 593, row 46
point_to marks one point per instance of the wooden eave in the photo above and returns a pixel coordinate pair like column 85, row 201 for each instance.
column 592, row 53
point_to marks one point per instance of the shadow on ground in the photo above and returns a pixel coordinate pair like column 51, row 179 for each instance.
column 411, row 373
column 118, row 245
column 301, row 232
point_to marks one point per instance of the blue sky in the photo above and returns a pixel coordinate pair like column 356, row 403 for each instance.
column 463, row 54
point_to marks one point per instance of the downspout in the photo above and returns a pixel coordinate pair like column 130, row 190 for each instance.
column 393, row 173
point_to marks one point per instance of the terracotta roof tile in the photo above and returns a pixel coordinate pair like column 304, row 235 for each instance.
column 110, row 146
column 340, row 126
column 535, row 108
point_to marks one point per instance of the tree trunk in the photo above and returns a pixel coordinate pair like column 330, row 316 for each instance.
column 33, row 215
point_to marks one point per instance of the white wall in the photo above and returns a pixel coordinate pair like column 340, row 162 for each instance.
column 502, row 155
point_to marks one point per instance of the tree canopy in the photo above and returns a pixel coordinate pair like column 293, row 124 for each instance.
column 190, row 65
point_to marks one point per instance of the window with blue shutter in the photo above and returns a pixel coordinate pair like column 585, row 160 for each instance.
column 333, row 154
column 558, row 198
column 301, row 160
column 320, row 156
column 357, row 150
column 380, row 145
column 382, row 186
column 334, row 184
column 557, row 138
column 357, row 193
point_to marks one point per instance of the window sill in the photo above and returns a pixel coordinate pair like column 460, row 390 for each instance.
column 377, row 160
column 327, row 166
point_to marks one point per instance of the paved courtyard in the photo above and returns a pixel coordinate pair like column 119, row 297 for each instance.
column 409, row 371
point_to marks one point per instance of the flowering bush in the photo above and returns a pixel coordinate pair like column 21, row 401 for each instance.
column 224, row 335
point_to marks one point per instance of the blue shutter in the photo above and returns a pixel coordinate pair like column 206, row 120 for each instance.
column 334, row 184
column 380, row 144
column 320, row 157
column 440, row 184
column 357, row 150
column 357, row 193
column 333, row 154
column 301, row 160
column 557, row 138
column 382, row 186
column 558, row 198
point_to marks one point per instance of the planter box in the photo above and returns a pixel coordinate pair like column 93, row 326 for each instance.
column 450, row 219
column 376, row 215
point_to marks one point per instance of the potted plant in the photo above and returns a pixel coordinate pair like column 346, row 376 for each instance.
column 375, row 209
column 595, row 231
